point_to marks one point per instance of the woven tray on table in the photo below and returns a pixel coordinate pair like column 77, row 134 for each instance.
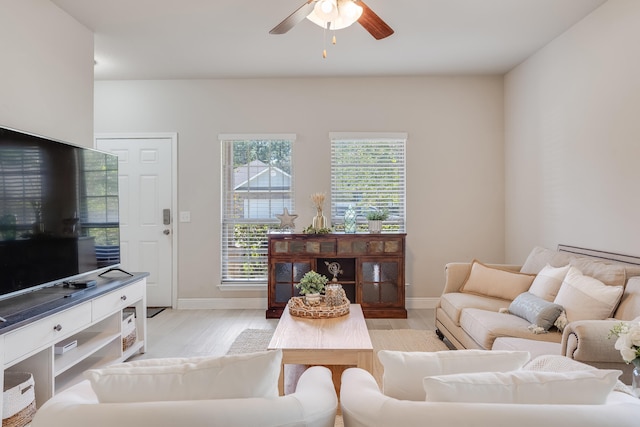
column 298, row 308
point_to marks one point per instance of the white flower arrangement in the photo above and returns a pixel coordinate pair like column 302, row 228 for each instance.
column 628, row 342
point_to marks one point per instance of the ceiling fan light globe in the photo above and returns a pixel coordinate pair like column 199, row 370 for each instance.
column 345, row 20
column 343, row 14
column 319, row 12
column 327, row 6
column 351, row 10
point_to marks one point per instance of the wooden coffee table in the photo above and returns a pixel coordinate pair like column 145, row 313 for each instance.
column 342, row 341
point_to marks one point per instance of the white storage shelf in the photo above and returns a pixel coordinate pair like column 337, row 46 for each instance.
column 99, row 340
column 88, row 343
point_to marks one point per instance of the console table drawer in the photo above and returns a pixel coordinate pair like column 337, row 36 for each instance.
column 46, row 331
column 117, row 300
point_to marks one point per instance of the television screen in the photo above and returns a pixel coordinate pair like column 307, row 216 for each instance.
column 58, row 212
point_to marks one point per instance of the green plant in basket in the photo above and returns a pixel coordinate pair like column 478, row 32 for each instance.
column 377, row 215
column 312, row 283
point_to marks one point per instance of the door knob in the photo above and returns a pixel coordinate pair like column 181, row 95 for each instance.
column 166, row 232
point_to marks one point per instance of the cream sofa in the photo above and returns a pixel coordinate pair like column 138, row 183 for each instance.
column 364, row 405
column 314, row 404
column 477, row 321
column 544, row 391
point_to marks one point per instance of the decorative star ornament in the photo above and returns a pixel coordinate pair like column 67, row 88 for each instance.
column 287, row 219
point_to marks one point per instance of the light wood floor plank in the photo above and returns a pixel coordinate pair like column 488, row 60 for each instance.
column 188, row 333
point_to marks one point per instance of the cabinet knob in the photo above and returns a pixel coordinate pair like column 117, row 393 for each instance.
column 58, row 327
column 123, row 297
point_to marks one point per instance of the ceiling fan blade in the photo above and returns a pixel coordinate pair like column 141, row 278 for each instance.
column 293, row 19
column 373, row 23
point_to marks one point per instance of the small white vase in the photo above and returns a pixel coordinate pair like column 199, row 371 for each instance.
column 312, row 299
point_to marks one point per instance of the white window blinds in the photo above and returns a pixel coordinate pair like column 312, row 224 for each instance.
column 368, row 172
column 257, row 184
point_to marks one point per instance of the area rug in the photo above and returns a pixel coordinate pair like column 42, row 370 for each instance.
column 251, row 340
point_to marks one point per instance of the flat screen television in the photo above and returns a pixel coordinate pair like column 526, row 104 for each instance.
column 58, row 212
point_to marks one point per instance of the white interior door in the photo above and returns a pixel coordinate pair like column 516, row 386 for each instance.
column 146, row 187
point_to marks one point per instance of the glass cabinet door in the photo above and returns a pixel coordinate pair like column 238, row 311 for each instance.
column 380, row 282
column 287, row 274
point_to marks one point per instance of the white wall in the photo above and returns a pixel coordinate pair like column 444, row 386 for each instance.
column 572, row 137
column 46, row 71
column 455, row 156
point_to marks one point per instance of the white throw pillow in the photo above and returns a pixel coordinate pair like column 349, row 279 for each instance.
column 236, row 376
column 496, row 282
column 586, row 298
column 590, row 387
column 548, row 282
column 403, row 371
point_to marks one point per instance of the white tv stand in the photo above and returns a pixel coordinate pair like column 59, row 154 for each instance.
column 93, row 317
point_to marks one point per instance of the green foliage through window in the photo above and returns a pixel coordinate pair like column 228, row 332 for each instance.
column 257, row 185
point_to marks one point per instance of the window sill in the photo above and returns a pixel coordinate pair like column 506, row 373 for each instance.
column 246, row 287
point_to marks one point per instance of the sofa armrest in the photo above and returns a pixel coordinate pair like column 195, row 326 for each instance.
column 590, row 341
column 456, row 273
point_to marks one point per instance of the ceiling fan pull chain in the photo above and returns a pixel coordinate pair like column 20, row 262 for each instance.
column 324, row 39
column 324, row 44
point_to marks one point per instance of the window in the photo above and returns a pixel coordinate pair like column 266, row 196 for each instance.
column 368, row 172
column 257, row 184
column 21, row 173
column 99, row 209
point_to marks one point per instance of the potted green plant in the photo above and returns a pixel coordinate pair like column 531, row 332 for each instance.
column 375, row 218
column 311, row 285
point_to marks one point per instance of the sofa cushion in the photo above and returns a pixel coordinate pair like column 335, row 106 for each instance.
column 485, row 326
column 536, row 310
column 537, row 259
column 403, row 371
column 235, row 376
column 629, row 307
column 495, row 282
column 587, row 298
column 609, row 273
column 548, row 281
column 453, row 304
column 588, row 387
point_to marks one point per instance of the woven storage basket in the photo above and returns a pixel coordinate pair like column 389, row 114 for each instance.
column 128, row 330
column 19, row 399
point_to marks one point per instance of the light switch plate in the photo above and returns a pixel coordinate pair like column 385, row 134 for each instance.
column 185, row 216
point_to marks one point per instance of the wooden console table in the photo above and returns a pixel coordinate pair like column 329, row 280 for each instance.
column 372, row 269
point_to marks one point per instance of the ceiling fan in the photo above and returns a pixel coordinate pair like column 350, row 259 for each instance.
column 334, row 15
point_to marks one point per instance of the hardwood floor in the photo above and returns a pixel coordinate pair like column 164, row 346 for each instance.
column 186, row 333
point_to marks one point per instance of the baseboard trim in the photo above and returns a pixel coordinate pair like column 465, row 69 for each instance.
column 422, row 302
column 222, row 303
column 261, row 303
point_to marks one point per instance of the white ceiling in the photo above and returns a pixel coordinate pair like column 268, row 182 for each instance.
column 182, row 39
